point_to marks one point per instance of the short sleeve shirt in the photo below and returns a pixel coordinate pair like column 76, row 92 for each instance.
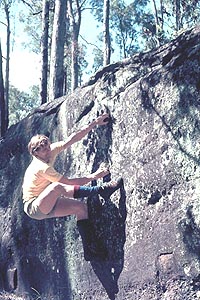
column 40, row 174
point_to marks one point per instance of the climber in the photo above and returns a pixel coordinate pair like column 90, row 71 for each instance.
column 48, row 194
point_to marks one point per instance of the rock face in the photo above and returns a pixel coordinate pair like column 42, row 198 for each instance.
column 153, row 142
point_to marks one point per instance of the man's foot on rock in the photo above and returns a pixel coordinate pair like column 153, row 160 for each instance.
column 108, row 188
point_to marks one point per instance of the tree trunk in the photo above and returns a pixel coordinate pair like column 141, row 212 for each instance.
column 2, row 99
column 6, row 8
column 74, row 63
column 161, row 15
column 75, row 34
column 157, row 23
column 57, row 50
column 44, row 51
column 106, row 34
column 178, row 15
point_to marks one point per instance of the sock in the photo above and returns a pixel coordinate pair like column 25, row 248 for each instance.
column 105, row 190
column 92, row 246
column 85, row 191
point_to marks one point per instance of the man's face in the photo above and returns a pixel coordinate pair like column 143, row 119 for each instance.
column 43, row 150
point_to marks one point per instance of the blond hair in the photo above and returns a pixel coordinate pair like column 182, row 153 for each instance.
column 35, row 142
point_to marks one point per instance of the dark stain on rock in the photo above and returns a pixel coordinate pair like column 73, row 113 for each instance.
column 155, row 197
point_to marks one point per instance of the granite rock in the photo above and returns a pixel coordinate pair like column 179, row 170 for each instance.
column 152, row 225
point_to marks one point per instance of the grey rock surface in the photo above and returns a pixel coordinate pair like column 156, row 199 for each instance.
column 152, row 226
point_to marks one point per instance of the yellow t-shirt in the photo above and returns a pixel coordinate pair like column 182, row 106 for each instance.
column 40, row 174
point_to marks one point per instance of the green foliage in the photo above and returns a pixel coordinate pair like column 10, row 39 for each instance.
column 189, row 11
column 31, row 18
column 32, row 27
column 146, row 24
column 123, row 20
column 164, row 21
column 97, row 9
column 98, row 59
column 81, row 61
column 22, row 103
column 82, row 64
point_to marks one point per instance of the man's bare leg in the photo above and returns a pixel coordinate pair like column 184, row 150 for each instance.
column 65, row 207
column 56, row 196
column 49, row 197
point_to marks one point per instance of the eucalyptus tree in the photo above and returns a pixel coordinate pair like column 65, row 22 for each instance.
column 121, row 26
column 106, row 33
column 44, row 51
column 22, row 103
column 38, row 25
column 59, row 34
column 158, row 20
column 75, row 10
column 103, row 15
column 124, row 26
column 2, row 99
column 56, row 80
column 67, row 29
column 6, row 5
column 187, row 13
column 35, row 18
column 171, row 17
column 31, row 18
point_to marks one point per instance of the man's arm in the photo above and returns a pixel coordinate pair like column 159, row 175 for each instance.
column 101, row 172
column 77, row 136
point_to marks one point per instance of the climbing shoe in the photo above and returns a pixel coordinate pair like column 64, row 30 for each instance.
column 108, row 188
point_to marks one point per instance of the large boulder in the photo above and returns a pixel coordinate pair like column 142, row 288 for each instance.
column 152, row 226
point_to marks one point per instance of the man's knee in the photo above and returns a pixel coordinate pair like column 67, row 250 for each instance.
column 61, row 188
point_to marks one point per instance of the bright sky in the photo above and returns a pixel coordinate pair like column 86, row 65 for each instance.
column 25, row 65
column 24, row 69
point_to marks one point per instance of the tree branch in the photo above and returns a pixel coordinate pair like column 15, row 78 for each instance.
column 3, row 23
column 89, row 43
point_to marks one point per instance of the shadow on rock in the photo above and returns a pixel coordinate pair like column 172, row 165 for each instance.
column 191, row 233
column 109, row 221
